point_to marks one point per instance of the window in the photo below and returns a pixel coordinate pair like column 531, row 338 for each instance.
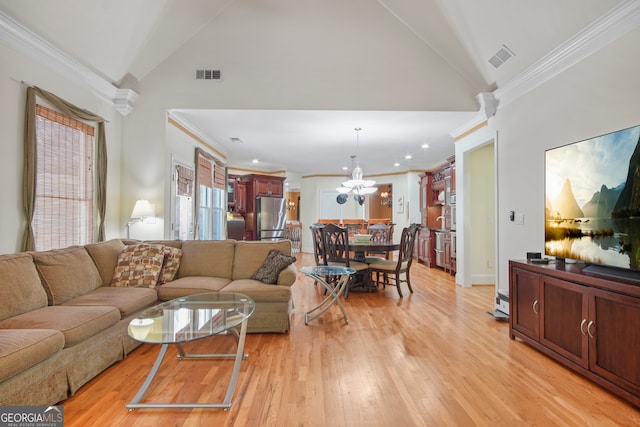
column 65, row 173
column 64, row 213
column 210, row 197
column 183, row 202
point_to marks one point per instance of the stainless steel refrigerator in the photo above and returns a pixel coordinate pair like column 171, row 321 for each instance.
column 271, row 218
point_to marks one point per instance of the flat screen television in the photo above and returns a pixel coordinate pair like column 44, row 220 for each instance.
column 592, row 202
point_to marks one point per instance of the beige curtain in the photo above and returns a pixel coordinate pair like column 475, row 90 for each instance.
column 29, row 172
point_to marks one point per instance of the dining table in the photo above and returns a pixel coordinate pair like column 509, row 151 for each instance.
column 360, row 249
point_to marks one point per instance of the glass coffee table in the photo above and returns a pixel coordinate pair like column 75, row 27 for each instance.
column 188, row 319
column 320, row 275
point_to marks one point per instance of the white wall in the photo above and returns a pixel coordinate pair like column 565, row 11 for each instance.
column 15, row 68
column 596, row 96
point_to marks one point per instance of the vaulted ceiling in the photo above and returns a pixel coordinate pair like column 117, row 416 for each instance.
column 445, row 43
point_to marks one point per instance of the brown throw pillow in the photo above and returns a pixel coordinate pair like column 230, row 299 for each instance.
column 276, row 262
column 138, row 266
column 170, row 265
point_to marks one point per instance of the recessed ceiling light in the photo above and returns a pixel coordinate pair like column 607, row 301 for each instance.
column 236, row 140
column 425, row 145
column 408, row 157
column 254, row 161
column 396, row 164
column 344, row 168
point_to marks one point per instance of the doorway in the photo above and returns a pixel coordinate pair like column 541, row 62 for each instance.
column 381, row 202
column 477, row 230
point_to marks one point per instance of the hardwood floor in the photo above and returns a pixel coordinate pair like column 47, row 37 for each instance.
column 432, row 358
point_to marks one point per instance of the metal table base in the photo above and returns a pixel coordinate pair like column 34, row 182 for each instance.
column 225, row 404
column 333, row 296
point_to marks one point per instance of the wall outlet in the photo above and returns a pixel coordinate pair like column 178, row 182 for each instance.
column 519, row 219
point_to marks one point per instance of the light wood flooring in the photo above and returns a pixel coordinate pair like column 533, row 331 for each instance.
column 432, row 358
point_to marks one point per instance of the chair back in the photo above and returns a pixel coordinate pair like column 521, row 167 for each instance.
column 380, row 233
column 318, row 245
column 294, row 233
column 336, row 244
column 407, row 243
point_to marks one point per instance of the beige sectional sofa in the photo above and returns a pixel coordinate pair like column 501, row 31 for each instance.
column 62, row 322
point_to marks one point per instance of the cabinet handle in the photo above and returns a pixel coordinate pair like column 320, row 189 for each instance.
column 589, row 328
column 582, row 327
column 534, row 307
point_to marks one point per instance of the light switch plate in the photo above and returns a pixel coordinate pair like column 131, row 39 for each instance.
column 519, row 219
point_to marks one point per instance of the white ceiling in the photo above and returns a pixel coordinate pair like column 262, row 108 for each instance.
column 128, row 40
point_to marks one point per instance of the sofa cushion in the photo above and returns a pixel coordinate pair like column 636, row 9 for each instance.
column 171, row 243
column 138, row 266
column 20, row 349
column 127, row 300
column 250, row 256
column 77, row 323
column 20, row 287
column 276, row 262
column 212, row 258
column 67, row 273
column 105, row 256
column 260, row 292
column 170, row 264
column 190, row 285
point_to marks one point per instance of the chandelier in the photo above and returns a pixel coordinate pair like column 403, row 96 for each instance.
column 356, row 185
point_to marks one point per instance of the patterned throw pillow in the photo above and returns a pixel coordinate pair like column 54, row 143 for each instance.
column 138, row 266
column 170, row 265
column 276, row 262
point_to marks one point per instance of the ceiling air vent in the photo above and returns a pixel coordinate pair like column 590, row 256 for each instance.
column 501, row 56
column 208, row 75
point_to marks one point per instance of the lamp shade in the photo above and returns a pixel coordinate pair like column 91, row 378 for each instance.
column 142, row 209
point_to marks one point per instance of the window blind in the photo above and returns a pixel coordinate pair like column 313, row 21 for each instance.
column 205, row 175
column 64, row 212
column 184, row 181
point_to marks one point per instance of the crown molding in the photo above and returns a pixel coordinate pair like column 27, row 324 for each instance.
column 600, row 33
column 186, row 127
column 23, row 40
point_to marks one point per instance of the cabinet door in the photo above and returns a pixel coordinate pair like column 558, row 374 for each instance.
column 524, row 307
column 262, row 188
column 423, row 195
column 240, row 196
column 614, row 338
column 447, row 251
column 423, row 247
column 276, row 188
column 268, row 188
column 564, row 319
column 446, row 212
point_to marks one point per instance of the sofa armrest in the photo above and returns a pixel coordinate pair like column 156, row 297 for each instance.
column 287, row 276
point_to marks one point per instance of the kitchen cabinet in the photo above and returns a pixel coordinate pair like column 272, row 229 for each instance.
column 255, row 185
column 241, row 197
column 268, row 186
column 236, row 195
column 586, row 322
column 437, row 195
column 423, row 247
column 447, row 252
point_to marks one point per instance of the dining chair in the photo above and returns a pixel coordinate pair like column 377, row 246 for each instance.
column 335, row 241
column 294, row 233
column 392, row 271
column 380, row 233
column 318, row 246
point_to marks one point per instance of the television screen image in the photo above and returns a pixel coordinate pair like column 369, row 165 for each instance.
column 592, row 200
